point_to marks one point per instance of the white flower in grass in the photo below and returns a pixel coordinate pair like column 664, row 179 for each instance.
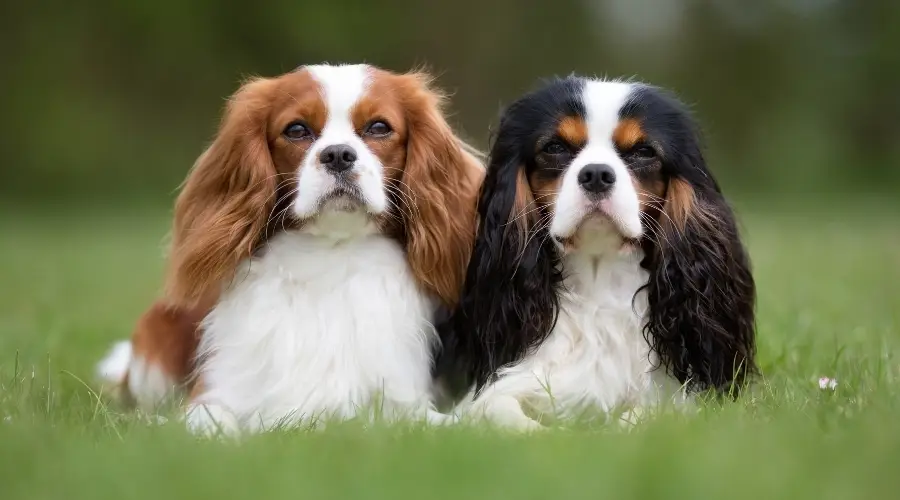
column 827, row 383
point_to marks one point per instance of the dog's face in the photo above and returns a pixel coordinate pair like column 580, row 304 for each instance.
column 343, row 130
column 336, row 137
column 581, row 168
column 599, row 158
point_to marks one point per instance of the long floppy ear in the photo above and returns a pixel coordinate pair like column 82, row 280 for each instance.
column 509, row 301
column 222, row 210
column 440, row 184
column 701, row 291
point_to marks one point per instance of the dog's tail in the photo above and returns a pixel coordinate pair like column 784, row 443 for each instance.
column 113, row 368
column 158, row 361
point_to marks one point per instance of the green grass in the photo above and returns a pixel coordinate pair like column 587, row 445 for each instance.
column 829, row 283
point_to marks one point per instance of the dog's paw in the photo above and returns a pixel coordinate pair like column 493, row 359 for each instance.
column 528, row 426
column 211, row 420
column 436, row 418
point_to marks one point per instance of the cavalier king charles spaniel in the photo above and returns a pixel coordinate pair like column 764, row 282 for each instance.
column 607, row 272
column 313, row 242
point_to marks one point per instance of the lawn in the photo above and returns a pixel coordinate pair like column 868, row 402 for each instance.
column 73, row 280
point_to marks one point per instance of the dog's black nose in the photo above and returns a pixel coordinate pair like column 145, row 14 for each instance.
column 337, row 158
column 597, row 178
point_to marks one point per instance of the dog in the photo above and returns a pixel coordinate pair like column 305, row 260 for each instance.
column 608, row 271
column 314, row 241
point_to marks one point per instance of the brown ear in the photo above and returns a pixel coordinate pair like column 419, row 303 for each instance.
column 679, row 203
column 523, row 216
column 441, row 179
column 223, row 208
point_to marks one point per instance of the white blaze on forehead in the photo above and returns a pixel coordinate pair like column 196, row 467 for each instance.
column 341, row 87
column 602, row 102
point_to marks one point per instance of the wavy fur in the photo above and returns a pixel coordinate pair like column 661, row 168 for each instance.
column 513, row 279
column 224, row 206
column 700, row 292
column 441, row 180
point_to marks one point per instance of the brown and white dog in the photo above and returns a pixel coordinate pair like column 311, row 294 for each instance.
column 313, row 242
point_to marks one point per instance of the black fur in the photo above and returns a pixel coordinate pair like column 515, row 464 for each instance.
column 701, row 292
column 510, row 298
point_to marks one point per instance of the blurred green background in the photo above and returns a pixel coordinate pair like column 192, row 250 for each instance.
column 110, row 102
column 106, row 104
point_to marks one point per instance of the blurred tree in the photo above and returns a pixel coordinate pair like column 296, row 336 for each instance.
column 109, row 99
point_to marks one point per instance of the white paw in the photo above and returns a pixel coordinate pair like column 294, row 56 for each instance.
column 439, row 419
column 506, row 413
column 517, row 422
column 211, row 420
column 525, row 425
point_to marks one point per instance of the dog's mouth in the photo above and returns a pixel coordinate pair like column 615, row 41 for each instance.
column 342, row 198
column 598, row 224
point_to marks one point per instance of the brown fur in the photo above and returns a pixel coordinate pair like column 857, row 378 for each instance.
column 651, row 190
column 226, row 204
column 441, row 181
column 668, row 204
column 680, row 203
column 220, row 214
column 523, row 213
column 574, row 130
column 167, row 337
column 649, row 183
column 628, row 133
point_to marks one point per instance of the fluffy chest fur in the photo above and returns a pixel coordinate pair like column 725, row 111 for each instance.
column 596, row 358
column 319, row 327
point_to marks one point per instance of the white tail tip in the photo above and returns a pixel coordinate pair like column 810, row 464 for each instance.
column 114, row 366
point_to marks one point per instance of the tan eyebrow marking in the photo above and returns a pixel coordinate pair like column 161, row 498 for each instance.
column 628, row 133
column 574, row 130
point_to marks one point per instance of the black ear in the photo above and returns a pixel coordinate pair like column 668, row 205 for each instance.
column 701, row 291
column 509, row 300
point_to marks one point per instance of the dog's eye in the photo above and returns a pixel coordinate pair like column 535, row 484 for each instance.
column 297, row 131
column 554, row 148
column 643, row 151
column 378, row 129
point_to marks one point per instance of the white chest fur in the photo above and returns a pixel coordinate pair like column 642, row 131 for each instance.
column 597, row 356
column 596, row 360
column 317, row 328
